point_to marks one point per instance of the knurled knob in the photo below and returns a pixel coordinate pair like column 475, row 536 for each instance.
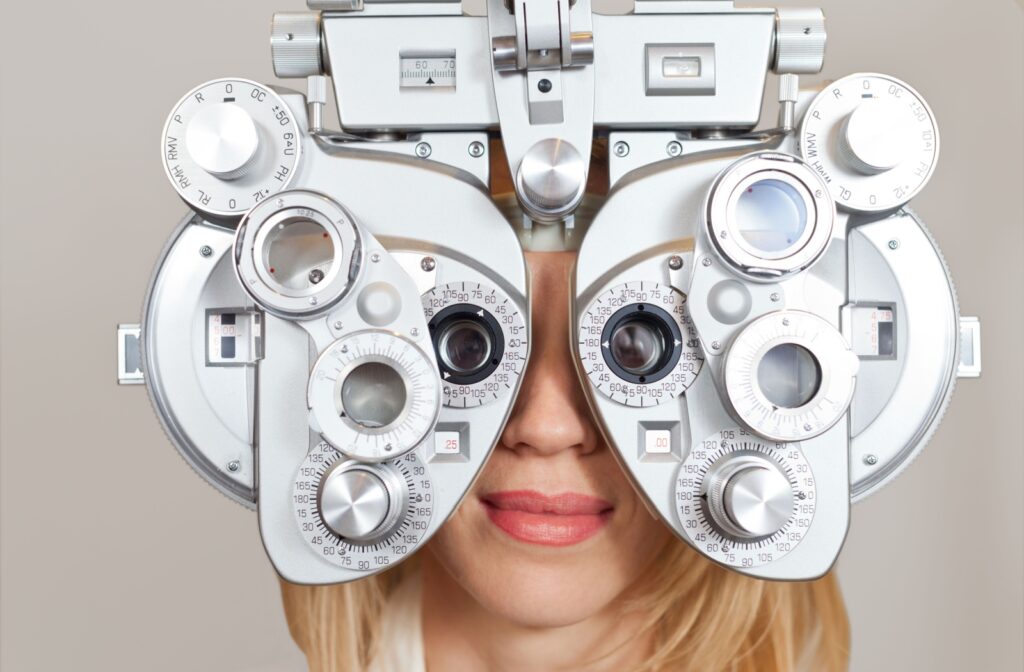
column 799, row 41
column 223, row 140
column 295, row 44
column 750, row 497
column 354, row 502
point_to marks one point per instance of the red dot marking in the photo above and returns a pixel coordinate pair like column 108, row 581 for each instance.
column 271, row 270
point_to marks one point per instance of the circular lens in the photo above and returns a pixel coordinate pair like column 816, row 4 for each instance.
column 771, row 215
column 298, row 253
column 465, row 346
column 637, row 346
column 789, row 375
column 373, row 395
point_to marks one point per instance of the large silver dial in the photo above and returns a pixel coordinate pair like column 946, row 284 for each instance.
column 637, row 344
column 374, row 395
column 228, row 145
column 362, row 516
column 873, row 139
column 742, row 501
column 480, row 339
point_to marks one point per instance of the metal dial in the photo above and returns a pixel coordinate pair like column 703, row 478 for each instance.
column 790, row 375
column 374, row 395
column 637, row 344
column 394, row 501
column 488, row 313
column 742, row 501
column 228, row 145
column 873, row 139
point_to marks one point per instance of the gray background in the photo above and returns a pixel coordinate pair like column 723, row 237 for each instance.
column 116, row 557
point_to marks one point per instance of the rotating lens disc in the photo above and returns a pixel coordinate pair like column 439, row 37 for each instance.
column 480, row 340
column 374, row 395
column 637, row 344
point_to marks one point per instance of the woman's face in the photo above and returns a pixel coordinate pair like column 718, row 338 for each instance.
column 552, row 532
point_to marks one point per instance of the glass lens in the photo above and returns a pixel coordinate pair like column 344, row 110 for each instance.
column 637, row 346
column 789, row 375
column 373, row 395
column 298, row 253
column 465, row 346
column 771, row 215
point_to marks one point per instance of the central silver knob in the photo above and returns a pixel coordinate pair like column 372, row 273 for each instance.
column 551, row 180
column 877, row 137
column 222, row 139
column 354, row 502
column 749, row 497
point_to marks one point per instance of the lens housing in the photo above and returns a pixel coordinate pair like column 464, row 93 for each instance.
column 770, row 215
column 468, row 341
column 644, row 343
column 297, row 254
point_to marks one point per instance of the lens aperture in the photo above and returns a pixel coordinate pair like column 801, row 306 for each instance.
column 637, row 346
column 298, row 253
column 771, row 215
column 373, row 395
column 464, row 346
column 789, row 376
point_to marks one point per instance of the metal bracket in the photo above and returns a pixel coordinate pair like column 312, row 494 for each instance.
column 129, row 355
column 970, row 348
column 545, row 99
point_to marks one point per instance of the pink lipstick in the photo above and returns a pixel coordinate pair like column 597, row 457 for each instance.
column 549, row 520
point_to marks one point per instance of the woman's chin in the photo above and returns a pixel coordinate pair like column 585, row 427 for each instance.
column 535, row 593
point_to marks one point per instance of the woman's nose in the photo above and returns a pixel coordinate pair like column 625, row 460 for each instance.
column 551, row 413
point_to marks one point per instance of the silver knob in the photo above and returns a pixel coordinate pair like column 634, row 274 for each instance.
column 749, row 497
column 877, row 136
column 354, row 502
column 295, row 44
column 551, row 179
column 800, row 39
column 223, row 140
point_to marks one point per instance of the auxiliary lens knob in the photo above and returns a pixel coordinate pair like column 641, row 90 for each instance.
column 355, row 502
column 876, row 137
column 223, row 140
column 749, row 497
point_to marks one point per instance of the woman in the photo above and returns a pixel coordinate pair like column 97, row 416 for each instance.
column 552, row 562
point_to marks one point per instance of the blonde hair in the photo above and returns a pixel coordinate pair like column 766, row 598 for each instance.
column 702, row 617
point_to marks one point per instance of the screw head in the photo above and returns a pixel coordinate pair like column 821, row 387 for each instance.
column 316, row 276
column 312, row 300
column 775, row 297
column 716, row 345
column 675, row 262
column 280, row 202
column 706, row 261
column 414, row 332
column 206, row 250
column 674, row 148
column 620, row 149
column 894, row 244
column 476, row 149
column 807, row 427
column 388, row 447
column 423, row 150
column 870, row 460
column 344, row 349
column 337, row 325
column 428, row 264
column 544, row 86
column 375, row 257
column 785, row 321
column 234, row 465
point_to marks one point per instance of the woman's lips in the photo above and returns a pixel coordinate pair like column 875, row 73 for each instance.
column 550, row 520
